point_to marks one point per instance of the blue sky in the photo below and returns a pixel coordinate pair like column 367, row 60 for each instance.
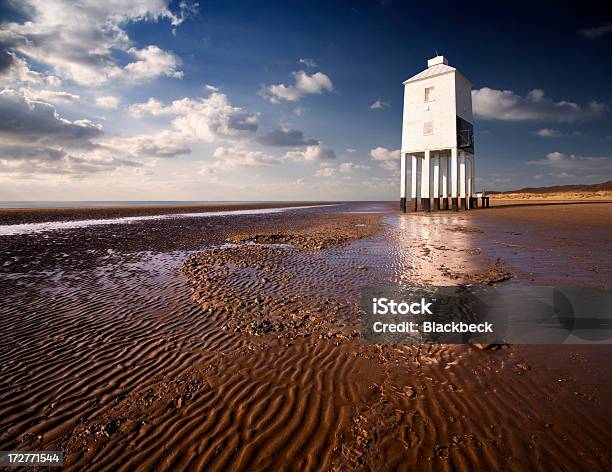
column 288, row 100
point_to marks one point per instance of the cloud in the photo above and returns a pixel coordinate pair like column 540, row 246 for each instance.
column 150, row 107
column 51, row 96
column 391, row 166
column 79, row 40
column 384, row 154
column 6, row 58
column 200, row 120
column 234, row 158
column 298, row 111
column 203, row 119
column 597, row 32
column 308, row 62
column 346, row 167
column 36, row 140
column 152, row 62
column 326, row 172
column 305, row 84
column 379, row 105
column 312, row 153
column 351, row 150
column 210, row 88
column 555, row 133
column 244, row 157
column 166, row 143
column 389, row 160
column 17, row 71
column 286, row 137
column 571, row 162
column 41, row 163
column 505, row 105
column 562, row 175
column 213, row 119
column 548, row 133
column 108, row 101
column 31, row 121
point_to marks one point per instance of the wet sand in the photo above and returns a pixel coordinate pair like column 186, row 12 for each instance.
column 36, row 215
column 231, row 343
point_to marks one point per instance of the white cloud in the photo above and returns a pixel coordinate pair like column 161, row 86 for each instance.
column 152, row 62
column 384, row 154
column 305, row 84
column 507, row 106
column 391, row 166
column 64, row 164
column 150, row 107
column 234, row 158
column 326, row 172
column 597, row 32
column 308, row 62
column 562, row 175
column 204, row 119
column 389, row 160
column 351, row 166
column 311, row 153
column 549, row 133
column 299, row 111
column 16, row 70
column 201, row 120
column 555, row 133
column 166, row 143
column 108, row 101
column 51, row 96
column 78, row 40
column 210, row 88
column 560, row 161
column 379, row 105
column 351, row 150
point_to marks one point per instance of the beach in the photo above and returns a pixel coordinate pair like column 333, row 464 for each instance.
column 232, row 342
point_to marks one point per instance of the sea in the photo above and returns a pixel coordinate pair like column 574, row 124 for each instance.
column 116, row 203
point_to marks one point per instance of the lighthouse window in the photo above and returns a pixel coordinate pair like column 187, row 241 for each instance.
column 429, row 94
column 427, row 128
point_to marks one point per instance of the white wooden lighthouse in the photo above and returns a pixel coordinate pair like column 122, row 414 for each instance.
column 438, row 139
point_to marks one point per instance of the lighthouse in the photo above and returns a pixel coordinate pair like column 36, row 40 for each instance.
column 438, row 140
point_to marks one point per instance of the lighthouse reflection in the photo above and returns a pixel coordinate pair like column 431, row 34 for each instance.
column 432, row 249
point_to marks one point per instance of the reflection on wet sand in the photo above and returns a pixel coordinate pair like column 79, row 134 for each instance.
column 425, row 244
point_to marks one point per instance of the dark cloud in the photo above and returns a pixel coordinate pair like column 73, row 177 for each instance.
column 242, row 122
column 19, row 152
column 36, row 140
column 6, row 59
column 31, row 121
column 286, row 137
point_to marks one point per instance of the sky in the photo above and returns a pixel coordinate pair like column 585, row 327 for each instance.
column 248, row 101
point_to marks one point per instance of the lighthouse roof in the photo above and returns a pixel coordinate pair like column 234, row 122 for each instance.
column 436, row 66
